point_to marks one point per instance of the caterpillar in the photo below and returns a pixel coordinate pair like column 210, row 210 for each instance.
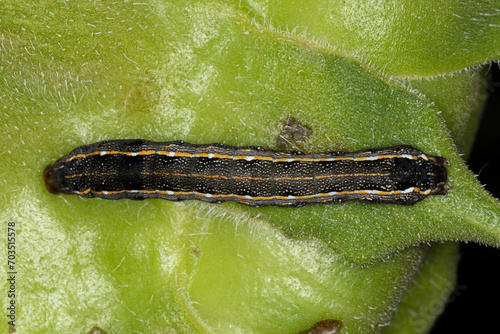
column 140, row 169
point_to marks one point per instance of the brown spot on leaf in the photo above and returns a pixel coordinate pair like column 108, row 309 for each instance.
column 97, row 330
column 292, row 133
column 327, row 326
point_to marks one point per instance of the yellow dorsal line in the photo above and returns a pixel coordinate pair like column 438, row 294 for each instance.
column 247, row 157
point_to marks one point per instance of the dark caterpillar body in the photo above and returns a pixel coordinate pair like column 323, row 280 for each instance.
column 176, row 171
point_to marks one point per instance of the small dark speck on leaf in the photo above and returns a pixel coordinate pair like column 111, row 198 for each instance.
column 196, row 252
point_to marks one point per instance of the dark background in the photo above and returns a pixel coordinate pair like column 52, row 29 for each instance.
column 474, row 306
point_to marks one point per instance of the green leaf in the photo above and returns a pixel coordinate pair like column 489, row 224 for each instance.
column 73, row 74
column 460, row 97
column 405, row 38
column 435, row 280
